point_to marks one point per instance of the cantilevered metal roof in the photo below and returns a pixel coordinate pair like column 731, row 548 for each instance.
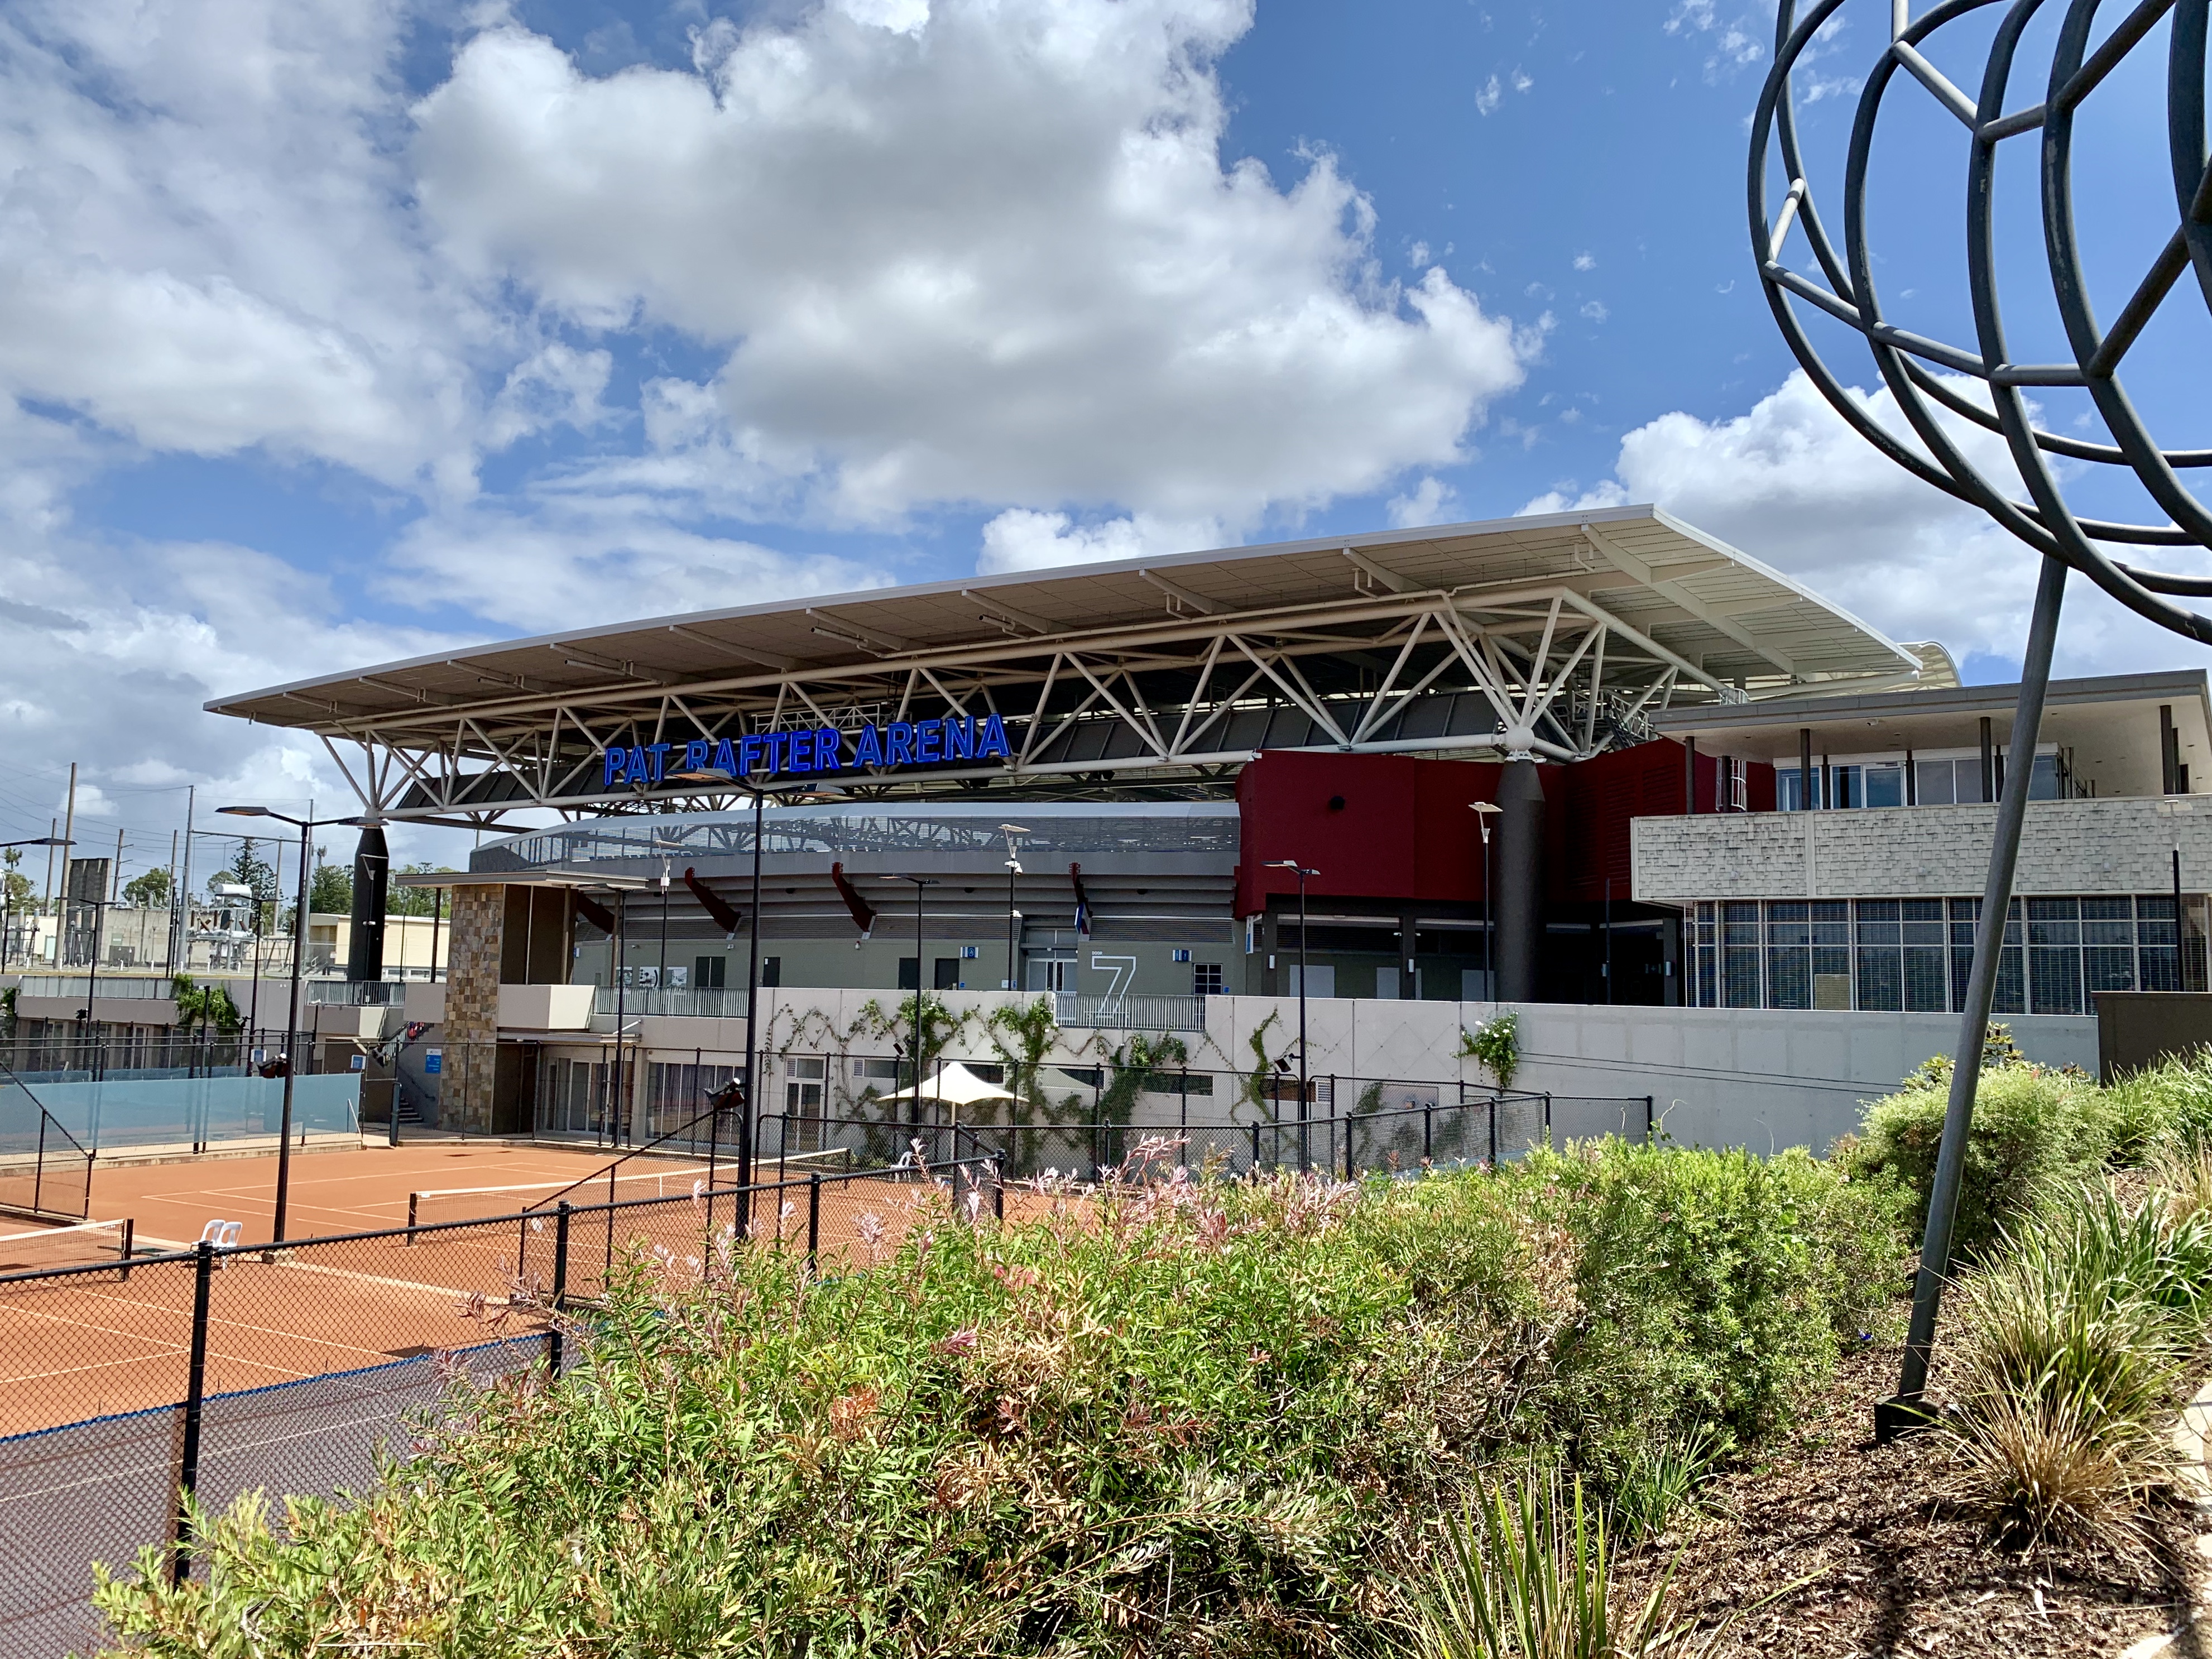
column 1567, row 626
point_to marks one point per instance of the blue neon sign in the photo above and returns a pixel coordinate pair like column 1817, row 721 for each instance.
column 812, row 751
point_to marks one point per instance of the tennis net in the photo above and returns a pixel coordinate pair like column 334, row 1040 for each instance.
column 473, row 1203
column 83, row 1244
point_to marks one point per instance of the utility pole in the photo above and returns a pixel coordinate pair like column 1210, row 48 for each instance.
column 69, row 840
column 181, row 954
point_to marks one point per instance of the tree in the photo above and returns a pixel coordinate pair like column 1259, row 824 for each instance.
column 329, row 889
column 245, row 870
column 17, row 885
column 149, row 891
column 415, row 901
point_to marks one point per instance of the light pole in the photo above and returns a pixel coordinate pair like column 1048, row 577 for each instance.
column 7, row 899
column 1303, row 873
column 1485, row 810
column 922, row 884
column 292, row 1015
column 1013, row 916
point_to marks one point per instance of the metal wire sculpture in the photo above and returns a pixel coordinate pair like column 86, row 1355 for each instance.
column 1913, row 366
column 1911, row 363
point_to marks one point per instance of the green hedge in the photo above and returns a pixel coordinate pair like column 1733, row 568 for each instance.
column 2035, row 1131
column 1204, row 1418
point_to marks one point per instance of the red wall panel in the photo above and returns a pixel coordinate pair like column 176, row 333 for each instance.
column 1404, row 831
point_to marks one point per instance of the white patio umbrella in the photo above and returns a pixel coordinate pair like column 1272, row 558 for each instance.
column 953, row 1084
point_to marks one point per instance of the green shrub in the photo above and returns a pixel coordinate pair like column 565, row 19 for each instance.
column 2033, row 1130
column 1716, row 1287
column 1192, row 1417
column 2170, row 1101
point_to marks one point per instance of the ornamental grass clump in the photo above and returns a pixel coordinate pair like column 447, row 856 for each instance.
column 1184, row 1415
column 2073, row 1343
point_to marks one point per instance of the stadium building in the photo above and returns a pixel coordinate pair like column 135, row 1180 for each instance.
column 1587, row 758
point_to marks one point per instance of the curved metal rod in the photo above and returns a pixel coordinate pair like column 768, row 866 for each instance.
column 2046, row 521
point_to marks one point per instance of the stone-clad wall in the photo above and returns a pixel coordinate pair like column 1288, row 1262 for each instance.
column 2120, row 845
column 471, row 1023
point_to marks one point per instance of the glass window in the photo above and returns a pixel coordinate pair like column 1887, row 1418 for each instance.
column 1878, row 921
column 2054, row 921
column 2054, row 981
column 2042, row 782
column 1882, row 981
column 1832, row 921
column 1922, row 921
column 2108, row 921
column 1932, row 783
column 1846, row 786
column 1925, row 992
column 1788, row 789
column 1885, row 786
column 1739, row 953
column 1786, row 922
column 1789, row 964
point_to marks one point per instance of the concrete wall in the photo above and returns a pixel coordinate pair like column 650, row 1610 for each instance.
column 1759, row 1078
column 2117, row 846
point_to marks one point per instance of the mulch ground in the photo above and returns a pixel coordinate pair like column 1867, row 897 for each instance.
column 1888, row 1569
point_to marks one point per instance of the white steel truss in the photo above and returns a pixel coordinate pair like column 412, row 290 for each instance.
column 1542, row 669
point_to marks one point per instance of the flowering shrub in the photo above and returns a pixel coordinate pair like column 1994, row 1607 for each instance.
column 1179, row 1415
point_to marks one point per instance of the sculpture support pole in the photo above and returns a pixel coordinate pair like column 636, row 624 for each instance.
column 1981, row 990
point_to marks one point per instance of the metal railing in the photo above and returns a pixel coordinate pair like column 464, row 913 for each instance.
column 118, row 988
column 355, row 993
column 1130, row 1013
column 635, row 1001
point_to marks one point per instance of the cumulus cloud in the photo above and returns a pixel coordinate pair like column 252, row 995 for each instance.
column 205, row 247
column 1789, row 484
column 1022, row 538
column 980, row 252
column 1430, row 501
column 973, row 257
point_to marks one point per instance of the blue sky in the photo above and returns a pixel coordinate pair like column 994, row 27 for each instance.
column 336, row 332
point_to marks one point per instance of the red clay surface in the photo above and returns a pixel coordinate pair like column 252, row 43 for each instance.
column 90, row 1345
column 339, row 1192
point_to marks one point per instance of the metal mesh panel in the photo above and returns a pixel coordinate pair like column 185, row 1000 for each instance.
column 319, row 1435
column 93, row 1343
column 101, row 1491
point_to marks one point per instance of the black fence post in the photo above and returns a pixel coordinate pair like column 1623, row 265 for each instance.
column 1428, row 1133
column 998, row 1189
column 1493, row 1130
column 745, row 1174
column 813, row 1220
column 1650, row 1126
column 553, row 1355
column 1255, row 1147
column 1547, row 1122
column 188, row 1461
column 392, row 1105
column 38, row 1169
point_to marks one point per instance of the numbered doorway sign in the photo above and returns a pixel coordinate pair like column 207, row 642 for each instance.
column 434, row 1062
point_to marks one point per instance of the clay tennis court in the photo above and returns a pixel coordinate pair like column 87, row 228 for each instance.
column 344, row 1192
column 107, row 1341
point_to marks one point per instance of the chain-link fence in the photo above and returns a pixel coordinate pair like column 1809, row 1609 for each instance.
column 44, row 1171
column 129, row 1380
column 1348, row 1126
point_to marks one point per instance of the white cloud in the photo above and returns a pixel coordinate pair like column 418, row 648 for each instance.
column 1431, row 502
column 1021, row 539
column 995, row 258
column 1596, row 311
column 205, row 243
column 983, row 255
column 1489, row 97
column 1789, row 484
column 1585, row 262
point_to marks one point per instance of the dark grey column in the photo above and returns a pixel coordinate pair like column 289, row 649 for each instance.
column 372, row 872
column 1520, row 876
